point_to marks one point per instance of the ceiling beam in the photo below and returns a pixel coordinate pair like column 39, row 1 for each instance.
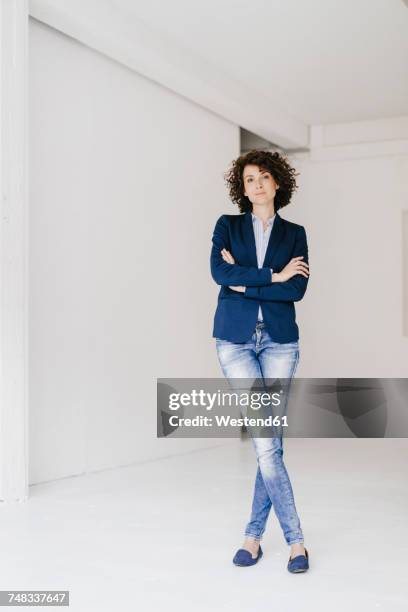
column 154, row 55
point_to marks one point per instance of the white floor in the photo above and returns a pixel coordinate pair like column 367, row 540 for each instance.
column 161, row 535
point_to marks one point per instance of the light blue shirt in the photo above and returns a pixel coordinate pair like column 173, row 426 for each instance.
column 261, row 243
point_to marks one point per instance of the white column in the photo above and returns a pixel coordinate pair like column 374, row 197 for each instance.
column 13, row 252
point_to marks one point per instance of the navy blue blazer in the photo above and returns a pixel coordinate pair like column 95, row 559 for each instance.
column 237, row 313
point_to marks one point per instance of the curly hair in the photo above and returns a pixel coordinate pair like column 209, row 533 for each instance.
column 275, row 163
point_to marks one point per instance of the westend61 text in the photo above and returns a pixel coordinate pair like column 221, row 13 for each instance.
column 227, row 421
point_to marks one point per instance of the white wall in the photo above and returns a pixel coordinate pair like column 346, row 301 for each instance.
column 351, row 318
column 125, row 187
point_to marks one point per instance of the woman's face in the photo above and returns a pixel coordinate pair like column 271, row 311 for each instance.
column 259, row 185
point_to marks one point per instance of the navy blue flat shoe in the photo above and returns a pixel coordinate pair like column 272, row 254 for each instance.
column 244, row 558
column 298, row 564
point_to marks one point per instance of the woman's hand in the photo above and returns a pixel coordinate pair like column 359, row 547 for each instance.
column 295, row 266
column 226, row 255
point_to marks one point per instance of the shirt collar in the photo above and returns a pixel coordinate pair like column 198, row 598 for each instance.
column 269, row 220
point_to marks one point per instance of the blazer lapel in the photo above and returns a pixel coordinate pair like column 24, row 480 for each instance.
column 275, row 238
column 249, row 239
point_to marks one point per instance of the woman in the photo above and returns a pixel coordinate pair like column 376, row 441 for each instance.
column 261, row 262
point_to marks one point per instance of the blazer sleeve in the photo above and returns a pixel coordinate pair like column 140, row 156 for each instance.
column 233, row 274
column 291, row 290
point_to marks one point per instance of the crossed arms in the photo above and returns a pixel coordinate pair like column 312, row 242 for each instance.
column 258, row 282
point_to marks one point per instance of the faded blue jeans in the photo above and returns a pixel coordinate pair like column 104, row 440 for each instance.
column 261, row 358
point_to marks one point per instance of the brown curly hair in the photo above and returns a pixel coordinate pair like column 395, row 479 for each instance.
column 275, row 163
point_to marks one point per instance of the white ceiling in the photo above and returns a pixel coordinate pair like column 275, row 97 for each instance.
column 321, row 61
